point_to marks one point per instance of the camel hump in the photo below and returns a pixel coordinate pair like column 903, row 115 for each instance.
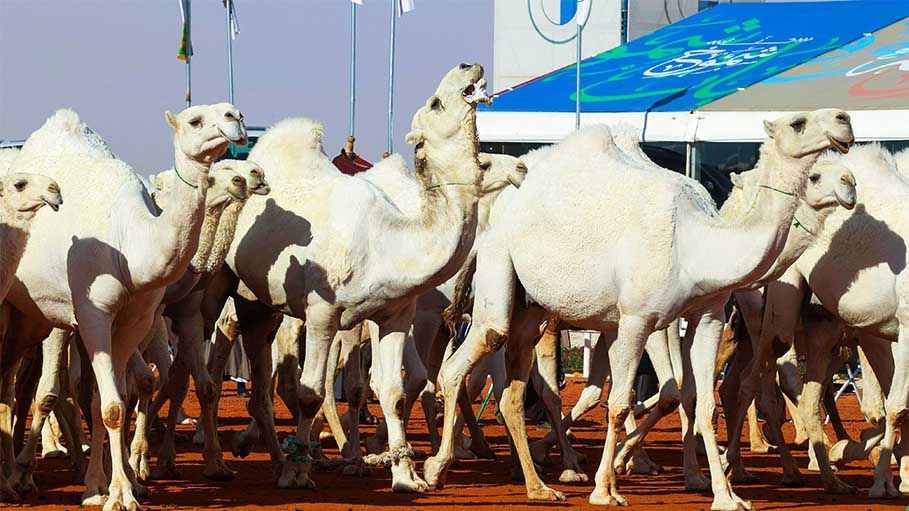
column 291, row 150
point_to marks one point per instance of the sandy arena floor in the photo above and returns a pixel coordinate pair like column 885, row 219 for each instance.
column 472, row 484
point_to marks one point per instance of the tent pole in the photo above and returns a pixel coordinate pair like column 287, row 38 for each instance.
column 624, row 21
column 353, row 68
column 189, row 55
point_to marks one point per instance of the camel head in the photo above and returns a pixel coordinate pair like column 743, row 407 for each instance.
column 203, row 132
column 499, row 171
column 26, row 193
column 224, row 186
column 445, row 126
column 255, row 176
column 829, row 184
column 808, row 133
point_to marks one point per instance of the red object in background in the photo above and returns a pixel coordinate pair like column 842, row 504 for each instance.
column 348, row 166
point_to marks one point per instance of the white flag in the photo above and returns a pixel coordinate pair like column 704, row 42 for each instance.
column 583, row 11
column 404, row 6
column 234, row 23
column 358, row 2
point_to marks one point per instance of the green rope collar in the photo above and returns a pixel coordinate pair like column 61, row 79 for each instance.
column 440, row 185
column 795, row 220
column 295, row 448
column 194, row 187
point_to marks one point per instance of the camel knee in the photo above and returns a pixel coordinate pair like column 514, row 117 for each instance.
column 495, row 339
column 113, row 415
column 311, row 400
column 46, row 403
column 670, row 397
column 145, row 384
column 617, row 416
column 897, row 415
column 206, row 391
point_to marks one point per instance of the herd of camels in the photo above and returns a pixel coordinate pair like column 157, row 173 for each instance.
column 308, row 267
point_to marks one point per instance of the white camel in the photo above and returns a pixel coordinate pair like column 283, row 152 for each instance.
column 102, row 267
column 336, row 250
column 855, row 270
column 638, row 274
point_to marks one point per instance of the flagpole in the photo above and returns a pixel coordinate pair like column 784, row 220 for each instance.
column 353, row 69
column 391, row 76
column 189, row 44
column 577, row 85
column 230, row 52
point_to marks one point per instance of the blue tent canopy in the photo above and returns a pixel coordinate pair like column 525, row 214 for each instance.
column 703, row 58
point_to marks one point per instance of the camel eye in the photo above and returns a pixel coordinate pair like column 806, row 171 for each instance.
column 464, row 66
column 20, row 185
column 485, row 165
column 814, row 178
column 436, row 104
column 211, row 182
column 196, row 122
column 798, row 125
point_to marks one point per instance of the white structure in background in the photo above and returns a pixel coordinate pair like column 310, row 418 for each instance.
column 533, row 37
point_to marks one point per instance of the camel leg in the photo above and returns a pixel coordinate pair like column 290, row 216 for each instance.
column 790, row 383
column 110, row 367
column 174, row 390
column 588, row 400
column 880, row 360
column 896, row 408
column 818, row 359
column 145, row 385
column 355, row 390
column 54, row 349
column 624, row 356
column 660, row 356
column 547, row 386
column 432, row 361
column 478, row 377
column 329, row 406
column 226, row 331
column 388, row 349
column 27, row 376
column 702, row 341
column 488, row 332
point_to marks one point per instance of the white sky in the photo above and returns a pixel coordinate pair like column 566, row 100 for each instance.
column 114, row 62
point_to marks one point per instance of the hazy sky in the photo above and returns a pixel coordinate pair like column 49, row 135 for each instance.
column 114, row 62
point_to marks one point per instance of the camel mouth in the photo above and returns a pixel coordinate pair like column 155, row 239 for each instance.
column 475, row 93
column 262, row 189
column 839, row 145
column 240, row 139
column 54, row 205
column 846, row 200
column 513, row 182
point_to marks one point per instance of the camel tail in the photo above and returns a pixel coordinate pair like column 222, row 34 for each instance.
column 461, row 301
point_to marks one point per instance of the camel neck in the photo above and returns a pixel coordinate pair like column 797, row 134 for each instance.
column 175, row 232
column 732, row 255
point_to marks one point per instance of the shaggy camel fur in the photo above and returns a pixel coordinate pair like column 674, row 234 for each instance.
column 337, row 249
column 113, row 254
column 857, row 255
column 672, row 212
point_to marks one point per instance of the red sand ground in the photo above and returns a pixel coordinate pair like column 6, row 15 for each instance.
column 472, row 484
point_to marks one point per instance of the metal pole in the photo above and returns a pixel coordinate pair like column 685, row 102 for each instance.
column 189, row 52
column 230, row 53
column 624, row 21
column 391, row 75
column 577, row 86
column 353, row 68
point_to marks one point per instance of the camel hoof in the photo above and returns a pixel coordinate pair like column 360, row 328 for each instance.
column 356, row 470
column 545, row 493
column 97, row 499
column 140, row 491
column 294, row 476
column 598, row 498
column 730, row 504
column 838, row 487
column 464, row 454
column 54, row 454
column 883, row 490
column 434, row 472
column 218, row 471
column 573, row 476
column 241, row 446
column 482, row 450
column 792, row 481
column 166, row 471
column 121, row 498
column 697, row 482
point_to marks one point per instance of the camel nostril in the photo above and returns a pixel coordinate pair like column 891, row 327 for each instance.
column 843, row 118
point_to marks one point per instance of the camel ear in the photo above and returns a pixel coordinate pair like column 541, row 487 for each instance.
column 171, row 119
column 736, row 180
column 156, row 181
column 768, row 128
column 414, row 137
